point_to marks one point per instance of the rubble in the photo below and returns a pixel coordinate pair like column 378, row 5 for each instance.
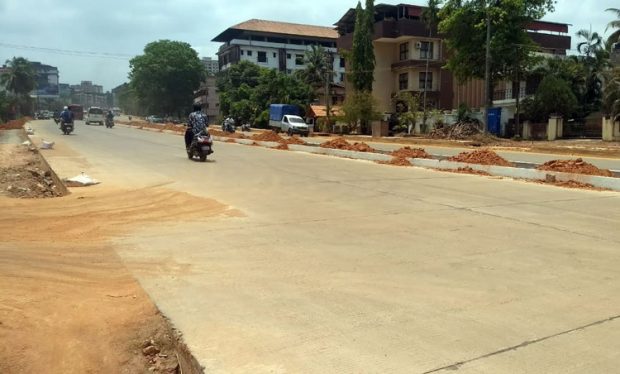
column 396, row 161
column 341, row 143
column 468, row 170
column 15, row 124
column 481, row 157
column 295, row 140
column 282, row 147
column 28, row 180
column 577, row 166
column 458, row 131
column 408, row 152
column 268, row 136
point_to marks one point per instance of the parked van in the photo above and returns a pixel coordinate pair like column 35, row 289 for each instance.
column 95, row 115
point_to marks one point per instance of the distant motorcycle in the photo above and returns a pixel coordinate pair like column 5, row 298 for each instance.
column 109, row 123
column 66, row 127
column 201, row 146
column 228, row 125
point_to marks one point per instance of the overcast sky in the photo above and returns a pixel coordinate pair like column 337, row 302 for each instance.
column 124, row 27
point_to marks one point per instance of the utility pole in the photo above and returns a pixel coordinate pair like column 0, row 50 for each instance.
column 329, row 67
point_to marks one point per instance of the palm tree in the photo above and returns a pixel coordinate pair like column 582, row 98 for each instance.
column 319, row 72
column 611, row 98
column 18, row 78
column 615, row 24
column 430, row 15
column 593, row 42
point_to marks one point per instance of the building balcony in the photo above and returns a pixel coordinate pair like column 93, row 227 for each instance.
column 417, row 64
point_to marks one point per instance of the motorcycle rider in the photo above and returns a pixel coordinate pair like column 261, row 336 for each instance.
column 110, row 116
column 196, row 123
column 66, row 116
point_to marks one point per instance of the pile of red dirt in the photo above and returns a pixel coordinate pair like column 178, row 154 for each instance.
column 268, row 136
column 234, row 135
column 468, row 170
column 295, row 140
column 577, row 166
column 396, row 161
column 15, row 124
column 230, row 141
column 341, row 143
column 481, row 157
column 282, row 147
column 408, row 152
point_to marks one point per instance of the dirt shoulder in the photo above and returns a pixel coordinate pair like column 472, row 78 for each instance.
column 67, row 302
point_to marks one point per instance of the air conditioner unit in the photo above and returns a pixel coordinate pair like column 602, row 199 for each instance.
column 418, row 45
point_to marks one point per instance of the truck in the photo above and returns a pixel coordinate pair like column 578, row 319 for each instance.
column 285, row 118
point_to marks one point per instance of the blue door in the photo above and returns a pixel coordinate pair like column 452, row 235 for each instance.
column 494, row 121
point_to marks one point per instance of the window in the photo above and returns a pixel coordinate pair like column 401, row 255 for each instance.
column 429, row 80
column 249, row 53
column 426, row 50
column 342, row 77
column 242, row 52
column 299, row 60
column 262, row 57
column 404, row 51
column 403, row 81
column 288, row 56
column 342, row 63
column 289, row 71
column 274, row 55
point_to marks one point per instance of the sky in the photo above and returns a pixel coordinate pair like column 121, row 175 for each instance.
column 123, row 28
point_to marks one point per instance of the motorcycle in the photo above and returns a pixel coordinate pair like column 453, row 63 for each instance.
column 229, row 125
column 201, row 146
column 66, row 127
column 109, row 123
column 246, row 127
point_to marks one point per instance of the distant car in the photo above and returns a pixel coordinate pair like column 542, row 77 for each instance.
column 95, row 115
column 155, row 119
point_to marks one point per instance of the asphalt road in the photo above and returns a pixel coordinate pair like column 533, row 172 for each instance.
column 342, row 266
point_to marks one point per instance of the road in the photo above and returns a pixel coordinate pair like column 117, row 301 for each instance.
column 338, row 266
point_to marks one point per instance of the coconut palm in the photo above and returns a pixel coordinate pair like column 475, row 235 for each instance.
column 611, row 98
column 317, row 66
column 19, row 79
column 593, row 42
column 615, row 24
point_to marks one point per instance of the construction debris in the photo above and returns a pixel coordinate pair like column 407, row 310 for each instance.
column 15, row 124
column 267, row 136
column 577, row 166
column 458, row 131
column 81, row 180
column 396, row 161
column 295, row 140
column 481, row 157
column 408, row 152
column 341, row 143
column 468, row 170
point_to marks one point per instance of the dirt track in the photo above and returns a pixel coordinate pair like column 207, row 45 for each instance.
column 68, row 304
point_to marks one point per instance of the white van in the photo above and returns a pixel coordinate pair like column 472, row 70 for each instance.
column 95, row 115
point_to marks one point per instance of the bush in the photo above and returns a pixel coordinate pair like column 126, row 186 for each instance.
column 262, row 121
column 554, row 96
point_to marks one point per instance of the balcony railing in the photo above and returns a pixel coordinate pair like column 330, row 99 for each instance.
column 508, row 94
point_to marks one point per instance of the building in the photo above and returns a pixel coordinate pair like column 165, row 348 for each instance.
column 88, row 94
column 277, row 45
column 46, row 81
column 208, row 97
column 212, row 66
column 402, row 48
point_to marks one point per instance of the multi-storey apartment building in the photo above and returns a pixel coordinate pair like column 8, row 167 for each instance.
column 402, row 48
column 277, row 45
column 212, row 66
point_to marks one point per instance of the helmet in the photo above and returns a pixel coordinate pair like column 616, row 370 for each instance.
column 65, row 108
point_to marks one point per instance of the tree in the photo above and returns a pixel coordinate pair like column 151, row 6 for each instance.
column 246, row 91
column 430, row 15
column 464, row 25
column 407, row 105
column 553, row 96
column 359, row 107
column 19, row 79
column 165, row 77
column 593, row 42
column 318, row 69
column 611, row 98
column 363, row 55
column 615, row 24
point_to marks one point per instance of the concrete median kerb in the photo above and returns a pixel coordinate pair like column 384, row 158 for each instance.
column 496, row 171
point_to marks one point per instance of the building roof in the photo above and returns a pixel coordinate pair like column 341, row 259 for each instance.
column 281, row 28
column 319, row 111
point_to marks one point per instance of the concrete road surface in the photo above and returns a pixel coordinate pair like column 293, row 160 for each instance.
column 341, row 266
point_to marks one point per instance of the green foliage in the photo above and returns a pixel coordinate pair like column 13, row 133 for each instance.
column 359, row 106
column 262, row 121
column 20, row 77
column 362, row 62
column 614, row 25
column 611, row 98
column 407, row 106
column 128, row 101
column 318, row 68
column 165, row 77
column 246, row 90
column 464, row 25
column 554, row 96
